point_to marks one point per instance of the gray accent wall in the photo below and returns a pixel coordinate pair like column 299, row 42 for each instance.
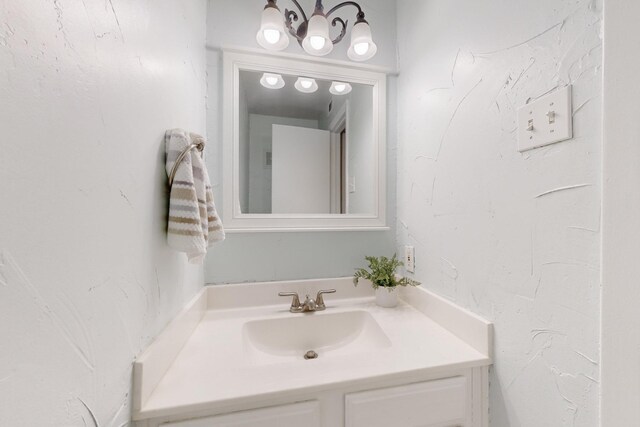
column 250, row 257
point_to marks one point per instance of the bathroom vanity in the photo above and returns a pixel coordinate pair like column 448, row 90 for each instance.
column 235, row 357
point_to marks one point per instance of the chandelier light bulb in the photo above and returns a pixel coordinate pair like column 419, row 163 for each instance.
column 317, row 42
column 272, row 36
column 361, row 48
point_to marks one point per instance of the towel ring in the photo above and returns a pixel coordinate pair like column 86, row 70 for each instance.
column 174, row 170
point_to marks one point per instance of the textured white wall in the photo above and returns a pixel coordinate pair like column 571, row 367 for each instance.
column 280, row 256
column 87, row 89
column 514, row 237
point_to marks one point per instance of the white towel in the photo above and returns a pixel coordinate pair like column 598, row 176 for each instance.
column 194, row 224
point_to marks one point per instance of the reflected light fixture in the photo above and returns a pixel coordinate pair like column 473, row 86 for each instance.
column 306, row 85
column 272, row 81
column 340, row 88
column 313, row 33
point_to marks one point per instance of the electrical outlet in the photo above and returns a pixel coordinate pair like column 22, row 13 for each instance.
column 352, row 184
column 410, row 259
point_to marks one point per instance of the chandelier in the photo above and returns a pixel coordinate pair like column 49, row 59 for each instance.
column 313, row 33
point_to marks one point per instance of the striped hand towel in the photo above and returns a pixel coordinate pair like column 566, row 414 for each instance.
column 194, row 224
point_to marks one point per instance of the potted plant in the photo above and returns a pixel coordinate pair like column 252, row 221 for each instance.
column 382, row 275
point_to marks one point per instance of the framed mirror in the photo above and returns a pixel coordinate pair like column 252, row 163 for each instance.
column 304, row 145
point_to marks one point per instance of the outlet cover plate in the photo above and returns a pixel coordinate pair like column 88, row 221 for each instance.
column 410, row 259
column 546, row 121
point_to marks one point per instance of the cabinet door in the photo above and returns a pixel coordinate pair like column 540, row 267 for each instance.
column 299, row 414
column 441, row 403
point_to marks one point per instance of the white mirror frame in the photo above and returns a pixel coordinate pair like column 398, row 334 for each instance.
column 236, row 221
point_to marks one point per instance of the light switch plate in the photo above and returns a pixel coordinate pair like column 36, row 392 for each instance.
column 546, row 121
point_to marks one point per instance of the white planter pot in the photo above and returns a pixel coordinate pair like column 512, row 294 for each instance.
column 387, row 297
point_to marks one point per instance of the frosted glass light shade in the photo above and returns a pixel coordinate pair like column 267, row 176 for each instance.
column 317, row 41
column 340, row 88
column 272, row 34
column 362, row 46
column 306, row 85
column 272, row 81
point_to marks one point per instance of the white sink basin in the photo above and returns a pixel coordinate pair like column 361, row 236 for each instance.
column 327, row 334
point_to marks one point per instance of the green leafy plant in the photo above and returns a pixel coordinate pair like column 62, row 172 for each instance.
column 382, row 273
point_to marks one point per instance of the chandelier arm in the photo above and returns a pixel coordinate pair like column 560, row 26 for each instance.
column 290, row 17
column 342, row 32
column 347, row 3
column 304, row 15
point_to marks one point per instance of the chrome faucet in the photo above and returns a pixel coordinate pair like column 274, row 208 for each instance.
column 309, row 305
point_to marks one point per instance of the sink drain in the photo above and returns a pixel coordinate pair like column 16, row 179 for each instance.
column 310, row 355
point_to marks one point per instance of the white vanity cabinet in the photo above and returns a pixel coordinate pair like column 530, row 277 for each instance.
column 298, row 414
column 455, row 401
column 433, row 404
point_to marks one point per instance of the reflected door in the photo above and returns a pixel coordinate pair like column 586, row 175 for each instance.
column 300, row 170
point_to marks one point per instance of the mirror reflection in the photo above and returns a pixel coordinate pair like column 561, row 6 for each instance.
column 305, row 145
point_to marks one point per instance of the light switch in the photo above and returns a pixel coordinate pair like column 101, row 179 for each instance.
column 352, row 184
column 546, row 121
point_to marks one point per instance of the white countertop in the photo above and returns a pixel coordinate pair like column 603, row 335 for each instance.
column 211, row 370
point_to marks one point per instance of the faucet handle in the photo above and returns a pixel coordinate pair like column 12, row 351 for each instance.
column 320, row 300
column 295, row 303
